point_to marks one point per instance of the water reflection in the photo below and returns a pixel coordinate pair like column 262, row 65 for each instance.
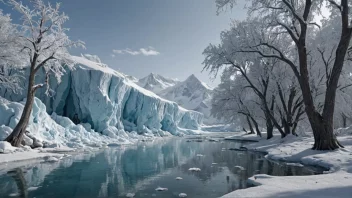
column 140, row 169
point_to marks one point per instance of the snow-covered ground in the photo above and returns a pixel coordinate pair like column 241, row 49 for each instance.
column 337, row 182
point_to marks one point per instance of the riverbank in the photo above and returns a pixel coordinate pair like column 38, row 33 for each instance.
column 337, row 182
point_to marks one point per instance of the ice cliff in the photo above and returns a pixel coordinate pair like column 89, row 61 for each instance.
column 108, row 102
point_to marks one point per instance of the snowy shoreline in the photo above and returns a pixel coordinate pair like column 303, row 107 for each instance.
column 337, row 182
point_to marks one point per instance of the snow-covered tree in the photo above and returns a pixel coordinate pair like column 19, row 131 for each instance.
column 44, row 42
column 9, row 55
column 293, row 22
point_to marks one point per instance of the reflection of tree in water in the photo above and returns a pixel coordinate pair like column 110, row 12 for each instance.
column 253, row 163
column 21, row 183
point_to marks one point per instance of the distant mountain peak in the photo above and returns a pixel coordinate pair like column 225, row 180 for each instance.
column 156, row 83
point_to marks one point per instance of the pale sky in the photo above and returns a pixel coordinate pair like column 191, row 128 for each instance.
column 138, row 37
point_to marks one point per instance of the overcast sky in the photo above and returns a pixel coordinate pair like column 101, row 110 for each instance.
column 138, row 37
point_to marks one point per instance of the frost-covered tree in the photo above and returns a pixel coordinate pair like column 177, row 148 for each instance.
column 9, row 55
column 43, row 41
column 229, row 105
column 294, row 22
column 271, row 82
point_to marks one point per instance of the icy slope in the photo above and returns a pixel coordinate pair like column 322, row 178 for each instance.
column 53, row 131
column 109, row 102
column 156, row 83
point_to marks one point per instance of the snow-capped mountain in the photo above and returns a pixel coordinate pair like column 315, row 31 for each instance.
column 191, row 94
column 156, row 83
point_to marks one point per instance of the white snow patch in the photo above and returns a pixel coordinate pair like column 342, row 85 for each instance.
column 6, row 147
column 297, row 150
column 194, row 169
column 179, row 178
column 182, row 195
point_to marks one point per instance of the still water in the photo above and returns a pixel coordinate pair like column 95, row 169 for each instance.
column 142, row 168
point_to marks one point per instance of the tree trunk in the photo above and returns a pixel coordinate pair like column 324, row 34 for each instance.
column 344, row 120
column 250, row 125
column 269, row 127
column 256, row 127
column 16, row 137
column 323, row 136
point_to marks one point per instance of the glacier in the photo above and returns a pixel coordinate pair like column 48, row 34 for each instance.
column 104, row 101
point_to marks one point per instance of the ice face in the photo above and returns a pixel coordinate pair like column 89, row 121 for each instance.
column 102, row 97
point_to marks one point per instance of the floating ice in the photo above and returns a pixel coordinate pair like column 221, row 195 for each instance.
column 182, row 195
column 161, row 189
column 33, row 188
column 179, row 178
column 130, row 195
column 194, row 169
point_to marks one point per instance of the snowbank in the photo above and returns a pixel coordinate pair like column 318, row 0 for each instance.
column 338, row 183
column 109, row 102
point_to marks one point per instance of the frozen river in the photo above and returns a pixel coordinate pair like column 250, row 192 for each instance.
column 140, row 169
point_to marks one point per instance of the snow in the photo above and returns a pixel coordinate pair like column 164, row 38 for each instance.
column 194, row 169
column 191, row 94
column 6, row 147
column 26, row 155
column 337, row 182
column 156, row 83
